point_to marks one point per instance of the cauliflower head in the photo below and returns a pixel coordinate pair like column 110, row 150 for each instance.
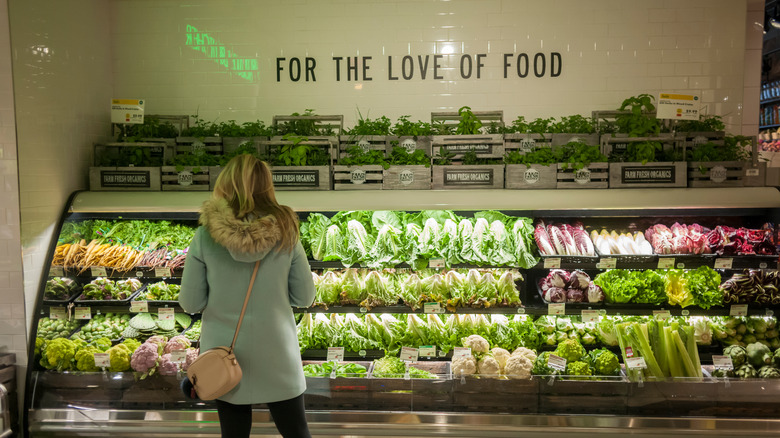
column 132, row 344
column 178, row 342
column 192, row 354
column 102, row 344
column 571, row 350
column 159, row 340
column 167, row 367
column 518, row 367
column 59, row 354
column 477, row 343
column 501, row 356
column 464, row 366
column 527, row 352
column 119, row 358
column 144, row 359
column 488, row 366
column 578, row 368
column 85, row 359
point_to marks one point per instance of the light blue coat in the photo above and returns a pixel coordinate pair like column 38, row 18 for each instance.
column 216, row 276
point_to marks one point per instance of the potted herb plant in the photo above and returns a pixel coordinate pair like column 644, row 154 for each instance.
column 202, row 136
column 298, row 163
column 465, row 131
column 235, row 135
column 730, row 163
column 360, row 169
column 411, row 135
column 407, row 170
column 367, row 134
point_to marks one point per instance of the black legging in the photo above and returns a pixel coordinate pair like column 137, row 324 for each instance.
column 235, row 421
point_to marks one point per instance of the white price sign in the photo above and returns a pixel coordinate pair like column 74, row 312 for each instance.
column 162, row 272
column 678, row 106
column 139, row 306
column 83, row 313
column 409, row 354
column 607, row 263
column 666, row 263
column 58, row 313
column 590, row 315
column 636, row 363
column 56, row 271
column 436, row 263
column 556, row 309
column 432, row 308
column 722, row 362
column 98, row 271
column 165, row 314
column 461, row 352
column 556, row 362
column 662, row 315
column 335, row 354
column 738, row 310
column 127, row 111
column 724, row 263
column 102, row 360
column 427, row 351
column 552, row 263
column 178, row 356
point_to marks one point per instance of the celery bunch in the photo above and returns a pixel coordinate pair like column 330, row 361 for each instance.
column 669, row 349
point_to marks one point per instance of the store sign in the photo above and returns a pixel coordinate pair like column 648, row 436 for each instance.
column 531, row 176
column 678, row 106
column 477, row 177
column 479, row 149
column 582, row 176
column 185, row 178
column 406, row 177
column 357, row 176
column 409, row 144
column 296, row 178
column 127, row 111
column 527, row 144
column 647, row 174
column 125, row 178
column 718, row 174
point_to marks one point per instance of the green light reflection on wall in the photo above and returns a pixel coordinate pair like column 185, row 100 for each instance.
column 245, row 68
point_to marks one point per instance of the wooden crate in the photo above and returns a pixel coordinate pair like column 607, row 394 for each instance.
column 594, row 176
column 214, row 172
column 302, row 177
column 322, row 124
column 365, row 142
column 468, row 177
column 524, row 143
column 451, row 119
column 189, row 179
column 358, row 177
column 195, row 145
column 407, row 178
column 327, row 144
column 618, row 143
column 179, row 122
column 104, row 153
column 603, row 395
column 124, row 178
column 485, row 146
column 726, row 174
column 561, row 139
column 677, row 397
column 688, row 140
column 230, row 144
column 471, row 394
column 400, row 394
column 535, row 176
column 634, row 175
column 410, row 143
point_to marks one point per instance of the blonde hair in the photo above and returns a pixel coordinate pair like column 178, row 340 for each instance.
column 246, row 183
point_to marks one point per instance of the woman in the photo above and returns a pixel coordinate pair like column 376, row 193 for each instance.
column 241, row 224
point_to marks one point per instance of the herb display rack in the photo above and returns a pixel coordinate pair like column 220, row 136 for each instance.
column 456, row 177
column 653, row 174
column 417, row 177
column 593, row 176
column 369, row 177
column 187, row 178
column 533, row 176
column 726, row 174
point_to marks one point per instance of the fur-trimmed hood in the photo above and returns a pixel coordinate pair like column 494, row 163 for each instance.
column 247, row 240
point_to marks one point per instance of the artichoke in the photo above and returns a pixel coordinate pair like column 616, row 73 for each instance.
column 746, row 372
column 768, row 372
column 723, row 373
column 737, row 354
column 540, row 365
column 758, row 354
column 776, row 358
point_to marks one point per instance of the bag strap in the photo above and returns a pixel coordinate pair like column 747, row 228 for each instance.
column 246, row 300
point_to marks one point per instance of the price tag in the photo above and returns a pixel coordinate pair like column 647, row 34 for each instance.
column 436, row 263
column 102, row 360
column 56, row 271
column 363, row 310
column 427, row 351
column 629, row 352
column 409, row 354
column 362, row 353
column 681, row 266
column 432, row 308
column 662, row 315
column 556, row 362
column 590, row 315
column 139, row 274
column 139, row 306
column 98, row 271
column 666, row 263
column 165, row 314
column 722, row 362
column 752, row 172
column 552, row 263
column 335, row 353
column 724, row 263
column 521, row 310
column 178, row 356
column 607, row 263
column 83, row 313
column 162, row 272
column 58, row 313
column 556, row 309
column 685, row 312
column 762, row 265
column 636, row 363
column 738, row 310
column 461, row 352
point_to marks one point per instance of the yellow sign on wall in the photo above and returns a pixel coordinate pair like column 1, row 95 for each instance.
column 127, row 111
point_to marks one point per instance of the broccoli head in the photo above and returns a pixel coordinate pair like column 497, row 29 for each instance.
column 102, row 344
column 119, row 355
column 85, row 359
column 604, row 362
column 579, row 368
column 571, row 350
column 132, row 344
column 59, row 354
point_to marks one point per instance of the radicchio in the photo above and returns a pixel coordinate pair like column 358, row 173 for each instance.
column 595, row 294
column 575, row 295
column 543, row 241
column 579, row 280
column 559, row 278
column 555, row 295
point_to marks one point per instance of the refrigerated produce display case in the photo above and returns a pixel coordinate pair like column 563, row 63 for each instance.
column 88, row 294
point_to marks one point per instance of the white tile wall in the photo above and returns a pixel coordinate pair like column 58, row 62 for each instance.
column 611, row 50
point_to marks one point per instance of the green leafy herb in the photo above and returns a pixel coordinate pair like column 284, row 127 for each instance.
column 704, row 124
column 356, row 156
column 405, row 127
column 298, row 153
column 401, row 157
column 469, row 124
column 444, row 157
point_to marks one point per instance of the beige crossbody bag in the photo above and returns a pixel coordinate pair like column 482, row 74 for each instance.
column 216, row 371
